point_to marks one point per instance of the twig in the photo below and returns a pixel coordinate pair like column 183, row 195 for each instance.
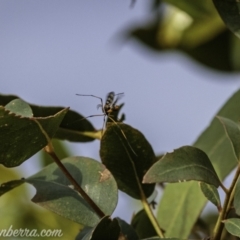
column 226, row 207
column 49, row 149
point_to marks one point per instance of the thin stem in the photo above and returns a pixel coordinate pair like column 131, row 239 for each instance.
column 226, row 207
column 49, row 149
column 223, row 188
column 151, row 216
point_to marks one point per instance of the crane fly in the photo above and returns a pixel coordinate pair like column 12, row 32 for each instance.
column 109, row 107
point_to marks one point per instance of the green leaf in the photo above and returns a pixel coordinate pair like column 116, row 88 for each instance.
column 233, row 133
column 184, row 164
column 22, row 137
column 233, row 226
column 211, row 193
column 55, row 192
column 72, row 128
column 198, row 10
column 236, row 202
column 142, row 225
column 181, row 198
column 173, row 208
column 157, row 238
column 229, row 11
column 19, row 107
column 8, row 186
column 126, row 230
column 105, row 229
column 128, row 155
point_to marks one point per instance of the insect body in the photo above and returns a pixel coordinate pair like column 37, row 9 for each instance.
column 109, row 106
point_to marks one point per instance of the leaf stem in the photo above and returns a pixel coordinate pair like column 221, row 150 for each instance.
column 223, row 188
column 50, row 150
column 150, row 214
column 226, row 207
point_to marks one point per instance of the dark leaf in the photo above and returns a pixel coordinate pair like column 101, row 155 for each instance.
column 106, row 229
column 22, row 137
column 158, row 238
column 73, row 127
column 127, row 232
column 184, row 164
column 229, row 11
column 115, row 229
column 143, row 225
column 128, row 155
column 6, row 187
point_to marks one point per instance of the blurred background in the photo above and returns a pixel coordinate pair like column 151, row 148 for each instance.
column 176, row 63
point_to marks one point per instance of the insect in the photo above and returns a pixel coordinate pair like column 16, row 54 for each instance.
column 109, row 106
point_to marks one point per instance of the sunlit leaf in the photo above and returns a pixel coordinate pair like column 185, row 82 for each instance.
column 233, row 226
column 187, row 197
column 233, row 133
column 19, row 107
column 211, row 193
column 128, row 155
column 184, row 164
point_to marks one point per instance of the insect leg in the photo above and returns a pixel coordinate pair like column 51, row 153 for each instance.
column 88, row 95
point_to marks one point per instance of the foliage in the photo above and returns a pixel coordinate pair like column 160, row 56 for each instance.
column 193, row 28
column 85, row 191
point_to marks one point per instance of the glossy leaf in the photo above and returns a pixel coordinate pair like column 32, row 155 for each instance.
column 236, row 202
column 211, row 193
column 73, row 127
column 184, row 164
column 187, row 197
column 142, row 225
column 19, row 107
column 233, row 133
column 128, row 155
column 54, row 191
column 22, row 137
column 233, row 226
column 229, row 11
